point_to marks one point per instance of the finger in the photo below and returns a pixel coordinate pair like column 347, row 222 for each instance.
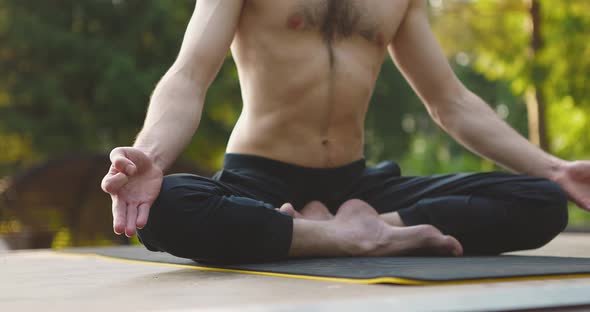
column 122, row 162
column 131, row 220
column 583, row 169
column 143, row 212
column 584, row 204
column 119, row 215
column 117, row 152
column 113, row 183
column 104, row 183
column 124, row 165
column 580, row 202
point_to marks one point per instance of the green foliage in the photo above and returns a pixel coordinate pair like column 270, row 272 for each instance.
column 77, row 75
column 497, row 35
column 399, row 127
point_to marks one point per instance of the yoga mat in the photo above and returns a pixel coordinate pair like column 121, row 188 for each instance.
column 370, row 270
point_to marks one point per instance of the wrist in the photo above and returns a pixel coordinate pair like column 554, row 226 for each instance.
column 154, row 157
column 556, row 169
column 158, row 162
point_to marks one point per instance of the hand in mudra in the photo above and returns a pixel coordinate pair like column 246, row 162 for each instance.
column 134, row 182
column 574, row 178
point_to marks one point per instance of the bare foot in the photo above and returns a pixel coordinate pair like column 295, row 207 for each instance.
column 288, row 209
column 315, row 210
column 364, row 233
column 392, row 218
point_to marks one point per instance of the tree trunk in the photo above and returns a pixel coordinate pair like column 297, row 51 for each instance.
column 534, row 97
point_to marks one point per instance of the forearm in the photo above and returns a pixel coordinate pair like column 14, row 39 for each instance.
column 173, row 116
column 475, row 125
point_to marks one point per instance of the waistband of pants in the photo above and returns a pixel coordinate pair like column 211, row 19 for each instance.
column 284, row 169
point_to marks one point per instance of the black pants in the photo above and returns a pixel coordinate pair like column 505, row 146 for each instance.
column 231, row 217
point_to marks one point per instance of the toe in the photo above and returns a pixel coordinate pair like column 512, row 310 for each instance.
column 355, row 207
column 315, row 210
column 288, row 209
column 456, row 248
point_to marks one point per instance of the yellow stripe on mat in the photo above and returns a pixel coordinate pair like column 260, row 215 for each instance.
column 376, row 280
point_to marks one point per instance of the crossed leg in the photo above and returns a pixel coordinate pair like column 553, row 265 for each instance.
column 315, row 210
column 358, row 230
column 489, row 213
column 200, row 218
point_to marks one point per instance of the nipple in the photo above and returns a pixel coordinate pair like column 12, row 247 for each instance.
column 295, row 22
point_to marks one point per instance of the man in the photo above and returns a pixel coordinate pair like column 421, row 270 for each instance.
column 294, row 181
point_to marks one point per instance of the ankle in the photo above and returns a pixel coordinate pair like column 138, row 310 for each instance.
column 358, row 242
column 364, row 247
column 312, row 238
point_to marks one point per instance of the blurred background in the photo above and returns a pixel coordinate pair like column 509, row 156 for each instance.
column 76, row 76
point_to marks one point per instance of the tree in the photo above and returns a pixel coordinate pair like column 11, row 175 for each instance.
column 538, row 47
column 77, row 75
column 398, row 126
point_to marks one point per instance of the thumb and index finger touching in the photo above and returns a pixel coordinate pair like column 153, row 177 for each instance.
column 124, row 162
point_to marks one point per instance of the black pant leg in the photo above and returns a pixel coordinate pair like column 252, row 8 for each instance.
column 488, row 213
column 204, row 219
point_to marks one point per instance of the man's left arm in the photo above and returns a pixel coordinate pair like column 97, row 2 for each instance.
column 467, row 118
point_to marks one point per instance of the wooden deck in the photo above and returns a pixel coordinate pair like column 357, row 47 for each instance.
column 47, row 281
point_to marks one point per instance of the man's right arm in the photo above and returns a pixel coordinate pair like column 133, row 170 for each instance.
column 177, row 102
column 135, row 176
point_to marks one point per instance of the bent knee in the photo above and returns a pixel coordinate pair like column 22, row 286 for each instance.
column 539, row 191
column 550, row 213
column 553, row 194
column 548, row 225
column 184, row 192
column 546, row 217
column 183, row 205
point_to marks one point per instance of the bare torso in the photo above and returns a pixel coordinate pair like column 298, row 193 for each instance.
column 307, row 70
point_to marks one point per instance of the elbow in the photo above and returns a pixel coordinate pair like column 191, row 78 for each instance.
column 180, row 82
column 446, row 115
column 448, row 110
column 436, row 113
